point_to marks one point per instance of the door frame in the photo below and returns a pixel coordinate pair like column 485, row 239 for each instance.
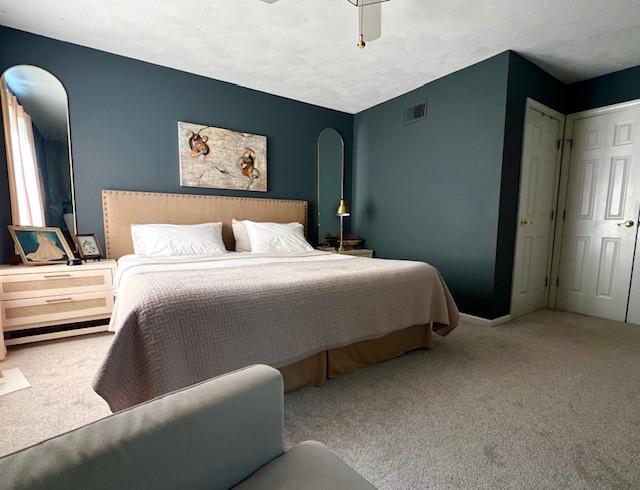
column 564, row 187
column 534, row 105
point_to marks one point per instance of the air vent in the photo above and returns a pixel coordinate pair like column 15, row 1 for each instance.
column 415, row 113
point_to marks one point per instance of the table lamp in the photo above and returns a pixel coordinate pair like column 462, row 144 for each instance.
column 342, row 211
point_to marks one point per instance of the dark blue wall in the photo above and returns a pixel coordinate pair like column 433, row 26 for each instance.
column 445, row 190
column 430, row 190
column 620, row 86
column 124, row 116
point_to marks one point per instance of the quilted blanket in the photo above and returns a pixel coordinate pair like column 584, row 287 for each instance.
column 178, row 327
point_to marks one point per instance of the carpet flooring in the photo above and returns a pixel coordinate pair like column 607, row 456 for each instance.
column 549, row 400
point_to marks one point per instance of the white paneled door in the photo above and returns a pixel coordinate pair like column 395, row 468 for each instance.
column 538, row 190
column 603, row 201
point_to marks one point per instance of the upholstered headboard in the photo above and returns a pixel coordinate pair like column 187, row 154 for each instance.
column 121, row 209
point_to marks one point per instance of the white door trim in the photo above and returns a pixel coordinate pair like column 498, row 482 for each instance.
column 532, row 104
column 564, row 187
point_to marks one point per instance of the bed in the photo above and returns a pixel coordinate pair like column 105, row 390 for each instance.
column 313, row 315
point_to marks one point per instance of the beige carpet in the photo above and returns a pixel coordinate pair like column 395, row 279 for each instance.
column 551, row 400
column 60, row 397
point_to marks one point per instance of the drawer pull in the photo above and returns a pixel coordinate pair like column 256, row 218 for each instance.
column 54, row 276
column 58, row 300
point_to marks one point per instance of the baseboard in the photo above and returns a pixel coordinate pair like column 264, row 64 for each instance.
column 485, row 321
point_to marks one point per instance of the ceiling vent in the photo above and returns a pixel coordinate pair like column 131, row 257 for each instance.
column 414, row 113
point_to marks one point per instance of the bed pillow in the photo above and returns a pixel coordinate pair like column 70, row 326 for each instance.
column 277, row 237
column 241, row 236
column 163, row 240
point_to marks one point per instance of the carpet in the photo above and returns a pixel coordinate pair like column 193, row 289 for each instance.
column 549, row 400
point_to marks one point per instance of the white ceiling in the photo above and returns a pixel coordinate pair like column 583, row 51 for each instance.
column 43, row 98
column 305, row 49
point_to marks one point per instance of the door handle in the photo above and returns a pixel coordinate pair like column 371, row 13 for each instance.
column 628, row 223
column 524, row 222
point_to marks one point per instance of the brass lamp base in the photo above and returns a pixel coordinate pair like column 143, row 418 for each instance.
column 341, row 247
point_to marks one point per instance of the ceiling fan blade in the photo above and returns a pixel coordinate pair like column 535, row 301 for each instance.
column 370, row 21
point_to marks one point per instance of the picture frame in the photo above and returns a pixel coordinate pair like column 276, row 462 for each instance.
column 41, row 245
column 219, row 158
column 87, row 246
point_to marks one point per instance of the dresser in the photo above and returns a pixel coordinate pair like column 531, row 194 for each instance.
column 43, row 302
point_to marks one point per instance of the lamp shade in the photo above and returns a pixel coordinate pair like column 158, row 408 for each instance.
column 343, row 209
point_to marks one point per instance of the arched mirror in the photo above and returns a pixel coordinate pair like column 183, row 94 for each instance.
column 36, row 132
column 330, row 184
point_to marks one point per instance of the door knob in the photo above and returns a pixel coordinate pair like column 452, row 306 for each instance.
column 524, row 222
column 629, row 223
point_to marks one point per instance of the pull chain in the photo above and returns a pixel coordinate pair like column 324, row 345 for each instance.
column 361, row 44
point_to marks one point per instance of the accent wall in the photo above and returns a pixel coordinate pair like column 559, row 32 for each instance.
column 613, row 88
column 124, row 116
column 445, row 189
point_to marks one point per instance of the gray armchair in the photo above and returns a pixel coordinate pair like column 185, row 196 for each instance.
column 222, row 433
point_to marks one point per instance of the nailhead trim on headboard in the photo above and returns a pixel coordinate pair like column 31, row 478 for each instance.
column 155, row 195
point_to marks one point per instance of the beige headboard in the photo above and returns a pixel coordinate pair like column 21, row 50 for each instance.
column 121, row 209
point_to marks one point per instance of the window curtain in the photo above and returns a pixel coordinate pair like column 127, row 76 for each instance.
column 27, row 198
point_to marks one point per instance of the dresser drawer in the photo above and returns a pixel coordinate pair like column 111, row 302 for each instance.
column 38, row 284
column 27, row 313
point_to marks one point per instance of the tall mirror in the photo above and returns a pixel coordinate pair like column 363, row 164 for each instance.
column 36, row 132
column 330, row 184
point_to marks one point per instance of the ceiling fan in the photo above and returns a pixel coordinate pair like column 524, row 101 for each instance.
column 369, row 19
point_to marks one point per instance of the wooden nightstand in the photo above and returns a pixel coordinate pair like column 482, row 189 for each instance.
column 33, row 297
column 358, row 252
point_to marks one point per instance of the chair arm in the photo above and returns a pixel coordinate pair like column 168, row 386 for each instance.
column 210, row 435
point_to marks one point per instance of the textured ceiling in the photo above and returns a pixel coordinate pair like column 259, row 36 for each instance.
column 305, row 49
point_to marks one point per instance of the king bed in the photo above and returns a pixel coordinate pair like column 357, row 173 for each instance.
column 313, row 315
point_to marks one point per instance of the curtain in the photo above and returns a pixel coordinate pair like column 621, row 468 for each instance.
column 27, row 198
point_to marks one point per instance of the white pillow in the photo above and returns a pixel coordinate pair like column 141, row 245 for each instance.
column 241, row 236
column 277, row 237
column 156, row 240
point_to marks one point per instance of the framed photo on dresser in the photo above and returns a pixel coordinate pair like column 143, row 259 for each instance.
column 88, row 246
column 40, row 245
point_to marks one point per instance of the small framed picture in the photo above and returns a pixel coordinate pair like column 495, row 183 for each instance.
column 39, row 245
column 88, row 247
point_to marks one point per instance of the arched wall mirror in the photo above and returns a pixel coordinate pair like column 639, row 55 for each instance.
column 330, row 182
column 35, row 117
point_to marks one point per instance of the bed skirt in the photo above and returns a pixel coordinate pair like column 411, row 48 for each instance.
column 333, row 363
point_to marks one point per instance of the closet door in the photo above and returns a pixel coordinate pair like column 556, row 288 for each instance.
column 603, row 201
column 538, row 184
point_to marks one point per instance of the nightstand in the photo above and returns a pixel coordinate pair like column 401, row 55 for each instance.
column 357, row 252
column 34, row 297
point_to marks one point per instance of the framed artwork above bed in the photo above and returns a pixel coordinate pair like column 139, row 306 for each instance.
column 221, row 159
